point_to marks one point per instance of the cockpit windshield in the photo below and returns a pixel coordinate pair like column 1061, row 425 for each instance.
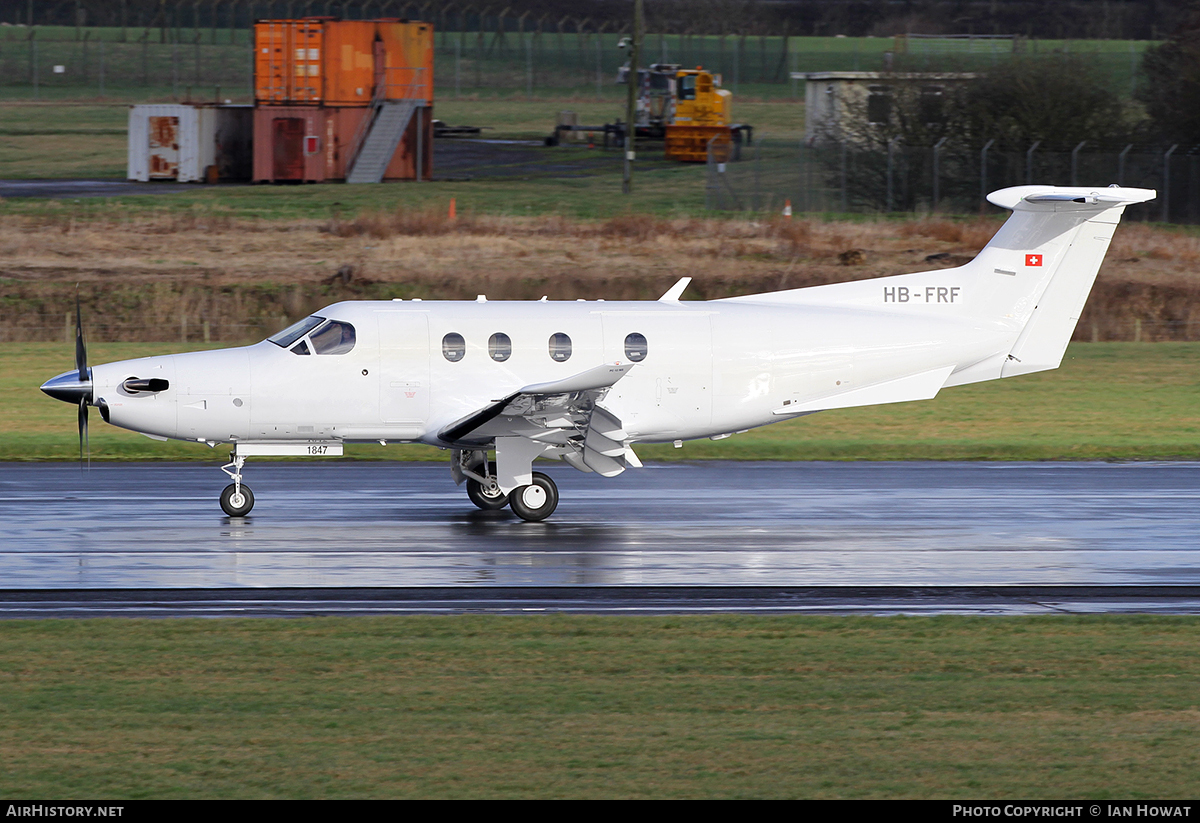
column 325, row 336
column 295, row 331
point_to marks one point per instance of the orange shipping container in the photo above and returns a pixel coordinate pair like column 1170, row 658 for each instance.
column 319, row 61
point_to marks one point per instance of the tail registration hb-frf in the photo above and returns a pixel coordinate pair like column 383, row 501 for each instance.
column 585, row 381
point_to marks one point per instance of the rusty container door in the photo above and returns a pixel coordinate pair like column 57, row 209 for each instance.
column 349, row 62
column 288, row 140
column 164, row 148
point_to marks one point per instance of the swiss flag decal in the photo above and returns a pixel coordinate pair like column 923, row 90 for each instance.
column 1033, row 260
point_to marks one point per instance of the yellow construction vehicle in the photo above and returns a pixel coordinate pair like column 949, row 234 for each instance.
column 686, row 108
column 701, row 118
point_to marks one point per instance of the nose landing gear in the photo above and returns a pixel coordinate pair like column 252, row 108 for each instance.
column 237, row 500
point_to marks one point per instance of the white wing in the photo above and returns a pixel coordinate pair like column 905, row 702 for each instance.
column 562, row 415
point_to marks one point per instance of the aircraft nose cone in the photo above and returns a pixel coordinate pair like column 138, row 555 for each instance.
column 68, row 388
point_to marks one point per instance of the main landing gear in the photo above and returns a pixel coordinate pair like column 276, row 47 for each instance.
column 536, row 501
column 533, row 503
column 237, row 500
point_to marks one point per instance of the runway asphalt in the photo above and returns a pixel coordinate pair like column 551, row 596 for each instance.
column 341, row 537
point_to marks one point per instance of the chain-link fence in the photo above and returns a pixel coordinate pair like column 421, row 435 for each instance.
column 844, row 178
column 474, row 53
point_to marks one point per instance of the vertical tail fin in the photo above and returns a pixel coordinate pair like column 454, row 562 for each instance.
column 1052, row 247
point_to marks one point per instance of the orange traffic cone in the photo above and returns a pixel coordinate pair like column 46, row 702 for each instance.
column 787, row 209
column 453, row 211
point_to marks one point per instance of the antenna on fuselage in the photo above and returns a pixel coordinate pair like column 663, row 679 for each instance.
column 673, row 294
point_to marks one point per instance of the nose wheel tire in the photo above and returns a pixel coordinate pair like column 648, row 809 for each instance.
column 536, row 501
column 235, row 503
column 482, row 497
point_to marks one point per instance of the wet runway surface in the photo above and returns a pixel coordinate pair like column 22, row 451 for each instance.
column 331, row 537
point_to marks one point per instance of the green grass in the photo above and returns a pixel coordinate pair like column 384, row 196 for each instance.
column 575, row 706
column 1128, row 401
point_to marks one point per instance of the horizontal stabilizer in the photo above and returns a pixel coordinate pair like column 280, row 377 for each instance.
column 1053, row 198
column 923, row 386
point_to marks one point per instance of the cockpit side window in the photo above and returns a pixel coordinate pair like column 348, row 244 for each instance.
column 687, row 87
column 295, row 331
column 335, row 337
column 301, row 348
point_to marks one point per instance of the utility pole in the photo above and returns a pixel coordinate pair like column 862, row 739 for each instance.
column 635, row 52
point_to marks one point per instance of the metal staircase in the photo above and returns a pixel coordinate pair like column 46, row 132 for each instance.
column 388, row 127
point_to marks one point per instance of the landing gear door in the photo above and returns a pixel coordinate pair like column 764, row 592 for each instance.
column 404, row 371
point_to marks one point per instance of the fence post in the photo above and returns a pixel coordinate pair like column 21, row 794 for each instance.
column 528, row 67
column 458, row 66
column 737, row 46
column 845, row 198
column 891, row 165
column 1132, row 69
column 1166, row 211
column 937, row 159
column 983, row 183
column 710, row 179
column 1121, row 164
column 1029, row 162
column 599, row 71
column 101, row 68
column 1075, row 162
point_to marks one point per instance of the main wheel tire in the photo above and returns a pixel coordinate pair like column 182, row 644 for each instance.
column 235, row 504
column 484, row 499
column 537, row 501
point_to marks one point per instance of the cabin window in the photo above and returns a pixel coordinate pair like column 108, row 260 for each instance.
column 933, row 105
column 454, row 348
column 295, row 331
column 635, row 347
column 879, row 105
column 560, row 347
column 500, row 347
column 335, row 337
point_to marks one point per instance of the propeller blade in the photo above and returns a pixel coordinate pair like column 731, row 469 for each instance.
column 83, row 435
column 80, row 348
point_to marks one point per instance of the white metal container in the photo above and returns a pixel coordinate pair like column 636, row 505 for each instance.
column 182, row 142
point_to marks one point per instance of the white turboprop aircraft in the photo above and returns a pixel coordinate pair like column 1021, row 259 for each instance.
column 584, row 381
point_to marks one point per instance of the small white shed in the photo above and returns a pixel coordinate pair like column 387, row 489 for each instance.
column 190, row 143
column 840, row 105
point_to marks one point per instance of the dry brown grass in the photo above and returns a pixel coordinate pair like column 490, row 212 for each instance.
column 151, row 274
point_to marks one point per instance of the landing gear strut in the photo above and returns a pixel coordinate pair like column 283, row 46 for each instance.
column 237, row 500
column 487, row 496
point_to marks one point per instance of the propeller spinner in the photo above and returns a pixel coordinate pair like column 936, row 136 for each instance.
column 76, row 386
